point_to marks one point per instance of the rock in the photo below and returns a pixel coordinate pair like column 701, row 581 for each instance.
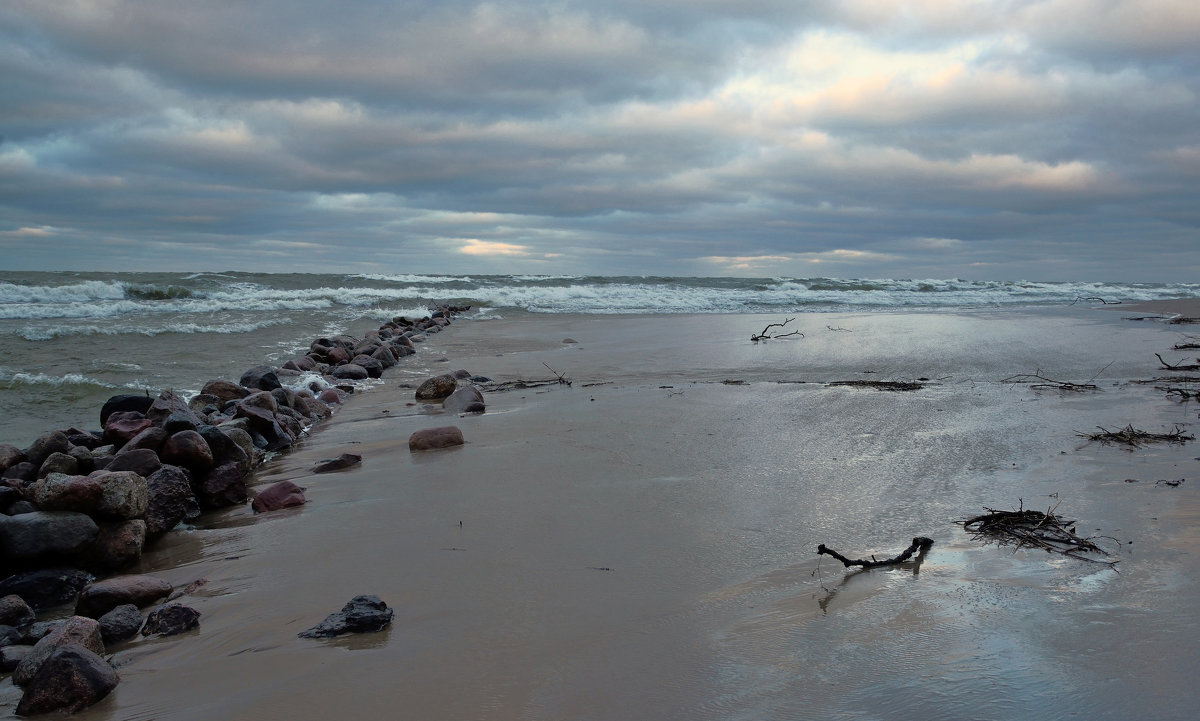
column 15, row 612
column 225, row 390
column 189, row 450
column 372, row 366
column 349, row 372
column 9, row 636
column 122, row 426
column 152, row 438
column 11, row 656
column 40, row 450
column 99, row 598
column 312, row 408
column 117, row 546
column 363, row 614
column 45, row 534
column 436, row 388
column 141, row 461
column 47, row 588
column 21, row 507
column 58, row 462
column 223, row 486
column 61, row 492
column 8, row 496
column 75, row 630
column 71, row 679
column 138, row 403
column 10, row 456
column 84, row 462
column 262, row 378
column 169, row 408
column 170, row 499
column 120, row 624
column 25, row 472
column 330, row 395
column 466, row 399
column 126, row 494
column 171, row 619
column 283, row 494
column 343, row 461
column 433, row 438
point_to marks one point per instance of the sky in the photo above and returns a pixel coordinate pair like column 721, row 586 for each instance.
column 1014, row 139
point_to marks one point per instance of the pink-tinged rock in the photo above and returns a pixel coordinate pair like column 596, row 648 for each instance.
column 225, row 390
column 71, row 679
column 58, row 492
column 337, row 356
column 97, row 599
column 77, row 629
column 118, row 546
column 125, row 494
column 224, row 486
column 329, row 465
column 436, row 388
column 433, row 438
column 141, row 461
column 330, row 395
column 283, row 494
column 189, row 450
column 122, row 427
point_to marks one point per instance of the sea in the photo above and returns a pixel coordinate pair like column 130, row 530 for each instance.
column 73, row 339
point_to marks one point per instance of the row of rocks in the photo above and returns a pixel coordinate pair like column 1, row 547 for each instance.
column 76, row 504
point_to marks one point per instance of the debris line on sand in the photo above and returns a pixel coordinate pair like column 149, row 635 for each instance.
column 1027, row 527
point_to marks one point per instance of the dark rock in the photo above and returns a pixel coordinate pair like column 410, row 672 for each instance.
column 461, row 374
column 122, row 426
column 118, row 546
column 138, row 403
column 48, row 587
column 363, row 614
column 42, row 629
column 25, row 472
column 171, row 619
column 71, row 679
column 179, row 421
column 330, row 395
column 336, row 464
column 74, row 630
column 284, row 397
column 61, row 492
column 10, row 456
column 58, row 462
column 314, row 409
column 170, row 499
column 373, row 367
column 203, row 404
column 125, row 494
column 349, row 372
column 436, row 388
column 141, row 461
column 466, row 399
column 169, row 405
column 276, row 496
column 386, row 355
column 40, row 450
column 99, row 598
column 8, row 496
column 262, row 378
column 11, row 656
column 187, row 449
column 433, row 438
column 9, row 636
column 21, row 507
column 225, row 390
column 120, row 624
column 152, row 439
column 15, row 612
column 45, row 534
column 83, row 439
column 84, row 461
column 223, row 486
column 337, row 356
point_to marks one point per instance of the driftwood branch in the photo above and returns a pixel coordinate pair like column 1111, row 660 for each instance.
column 1105, row 302
column 764, row 336
column 920, row 545
column 1027, row 527
column 1134, row 438
column 1037, row 380
column 1180, row 367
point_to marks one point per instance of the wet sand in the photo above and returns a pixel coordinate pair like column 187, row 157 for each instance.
column 641, row 544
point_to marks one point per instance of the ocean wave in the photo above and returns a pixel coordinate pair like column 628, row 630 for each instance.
column 10, row 379
column 81, row 292
column 186, row 328
column 413, row 278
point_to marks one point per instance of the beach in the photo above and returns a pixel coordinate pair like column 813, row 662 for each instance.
column 642, row 542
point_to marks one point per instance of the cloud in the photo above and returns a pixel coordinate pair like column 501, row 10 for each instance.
column 474, row 246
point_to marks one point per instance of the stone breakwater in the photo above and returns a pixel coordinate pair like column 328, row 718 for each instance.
column 80, row 505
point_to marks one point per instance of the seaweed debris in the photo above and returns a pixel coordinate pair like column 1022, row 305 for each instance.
column 882, row 385
column 1135, row 438
column 1029, row 528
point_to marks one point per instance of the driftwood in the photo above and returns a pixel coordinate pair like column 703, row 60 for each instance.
column 920, row 545
column 1183, row 394
column 1105, row 302
column 561, row 379
column 882, row 385
column 1180, row 367
column 1026, row 527
column 1186, row 345
column 1180, row 320
column 1039, row 381
column 1133, row 437
column 765, row 336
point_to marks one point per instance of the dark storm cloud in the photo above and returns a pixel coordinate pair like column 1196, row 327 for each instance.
column 1016, row 138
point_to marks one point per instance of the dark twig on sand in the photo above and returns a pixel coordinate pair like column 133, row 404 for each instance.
column 1179, row 367
column 1026, row 527
column 764, row 336
column 882, row 385
column 920, row 546
column 1133, row 437
column 1105, row 302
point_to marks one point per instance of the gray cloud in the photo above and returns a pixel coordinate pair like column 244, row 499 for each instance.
column 1017, row 138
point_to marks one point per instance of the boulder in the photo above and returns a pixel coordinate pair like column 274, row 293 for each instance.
column 97, row 599
column 126, row 494
column 262, row 378
column 171, row 619
column 467, row 399
column 343, row 461
column 136, row 402
column 71, row 679
column 117, row 546
column 62, row 492
column 170, row 499
column 10, row 456
column 330, row 395
column 11, row 656
column 40, row 450
column 24, row 471
column 225, row 390
column 189, row 450
column 120, row 624
column 76, row 629
column 58, row 462
column 84, row 461
column 433, row 438
column 181, row 421
column 349, row 372
column 152, row 438
column 169, row 405
column 142, row 461
column 223, row 486
column 372, row 366
column 284, row 397
column 15, row 612
column 337, row 356
column 363, row 614
column 276, row 496
column 436, row 388
column 45, row 534
column 122, row 426
column 48, row 587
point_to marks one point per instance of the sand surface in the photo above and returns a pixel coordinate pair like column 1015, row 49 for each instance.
column 641, row 544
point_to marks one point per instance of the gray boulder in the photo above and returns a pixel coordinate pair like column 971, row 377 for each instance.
column 171, row 619
column 434, row 438
column 77, row 629
column 170, row 499
column 126, row 494
column 466, row 399
column 45, row 534
column 70, row 679
column 100, row 597
column 436, row 388
column 363, row 614
column 120, row 624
